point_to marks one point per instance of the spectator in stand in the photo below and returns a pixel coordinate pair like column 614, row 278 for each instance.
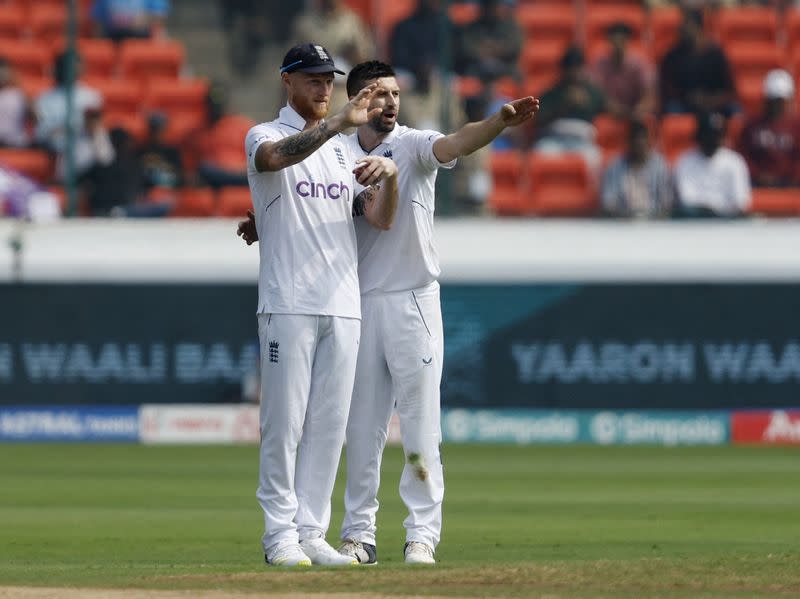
column 22, row 197
column 122, row 19
column 161, row 162
column 414, row 45
column 92, row 144
column 13, row 110
column 564, row 123
column 336, row 27
column 250, row 24
column 712, row 180
column 770, row 143
column 218, row 161
column 638, row 184
column 489, row 48
column 118, row 188
column 695, row 75
column 627, row 79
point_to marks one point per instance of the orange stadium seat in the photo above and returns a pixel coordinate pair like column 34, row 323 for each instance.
column 194, row 203
column 548, row 25
column 462, row 13
column 560, row 186
column 536, row 85
column 12, row 22
column 676, row 134
column 746, row 24
column 133, row 122
column 26, row 58
column 506, row 197
column 612, row 136
column 600, row 47
column 48, row 22
column 98, row 56
column 754, row 59
column 540, row 60
column 36, row 164
column 119, row 95
column 599, row 18
column 665, row 24
column 385, row 15
column 185, row 97
column 151, row 59
column 776, row 202
column 467, row 87
column 792, row 24
column 233, row 202
column 34, row 85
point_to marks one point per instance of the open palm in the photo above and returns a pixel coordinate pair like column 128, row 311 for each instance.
column 356, row 112
column 518, row 111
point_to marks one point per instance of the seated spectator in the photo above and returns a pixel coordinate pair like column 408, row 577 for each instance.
column 250, row 24
column 712, row 180
column 117, row 189
column 122, row 19
column 638, row 184
column 161, row 162
column 218, row 162
column 92, row 145
column 22, row 197
column 695, row 75
column 627, row 79
column 330, row 23
column 770, row 143
column 13, row 110
column 414, row 48
column 564, row 122
column 489, row 48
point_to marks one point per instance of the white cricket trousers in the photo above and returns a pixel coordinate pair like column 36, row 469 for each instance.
column 307, row 369
column 399, row 365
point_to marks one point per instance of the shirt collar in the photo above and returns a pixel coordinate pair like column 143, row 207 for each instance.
column 385, row 141
column 289, row 116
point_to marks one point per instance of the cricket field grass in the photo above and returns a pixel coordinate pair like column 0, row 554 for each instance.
column 559, row 522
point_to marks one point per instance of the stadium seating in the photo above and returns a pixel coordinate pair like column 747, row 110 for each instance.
column 184, row 97
column 506, row 196
column 612, row 136
column 47, row 22
column 12, row 20
column 676, row 135
column 34, row 85
column 133, row 122
column 599, row 18
column 664, row 26
column 194, row 203
column 462, row 13
column 746, row 24
column 776, row 202
column 98, row 56
column 550, row 25
column 27, row 58
column 119, row 95
column 150, row 59
column 36, row 164
column 560, row 185
column 233, row 202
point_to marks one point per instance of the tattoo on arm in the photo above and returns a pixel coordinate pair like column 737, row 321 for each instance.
column 303, row 142
column 361, row 201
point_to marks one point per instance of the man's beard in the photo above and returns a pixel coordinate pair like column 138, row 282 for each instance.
column 378, row 125
column 309, row 110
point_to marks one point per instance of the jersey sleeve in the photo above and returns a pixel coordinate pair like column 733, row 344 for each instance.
column 255, row 137
column 422, row 143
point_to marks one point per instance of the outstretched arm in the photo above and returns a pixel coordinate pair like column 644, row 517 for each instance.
column 473, row 136
column 277, row 155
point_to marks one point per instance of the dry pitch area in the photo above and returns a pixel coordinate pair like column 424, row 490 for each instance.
column 99, row 521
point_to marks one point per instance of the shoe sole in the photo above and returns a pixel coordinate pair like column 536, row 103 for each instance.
column 300, row 564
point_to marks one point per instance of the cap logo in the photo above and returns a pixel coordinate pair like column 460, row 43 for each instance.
column 321, row 53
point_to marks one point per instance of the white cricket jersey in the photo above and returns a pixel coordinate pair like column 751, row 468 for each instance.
column 305, row 226
column 405, row 256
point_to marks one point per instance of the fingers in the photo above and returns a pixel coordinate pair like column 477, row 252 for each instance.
column 365, row 92
column 370, row 172
column 374, row 113
column 251, row 215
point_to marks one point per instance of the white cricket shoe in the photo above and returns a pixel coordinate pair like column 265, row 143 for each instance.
column 419, row 553
column 365, row 553
column 287, row 554
column 322, row 554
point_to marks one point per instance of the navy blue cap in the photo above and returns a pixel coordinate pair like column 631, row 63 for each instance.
column 308, row 58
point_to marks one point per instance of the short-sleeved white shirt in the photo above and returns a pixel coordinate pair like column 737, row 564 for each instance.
column 405, row 256
column 721, row 182
column 304, row 220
